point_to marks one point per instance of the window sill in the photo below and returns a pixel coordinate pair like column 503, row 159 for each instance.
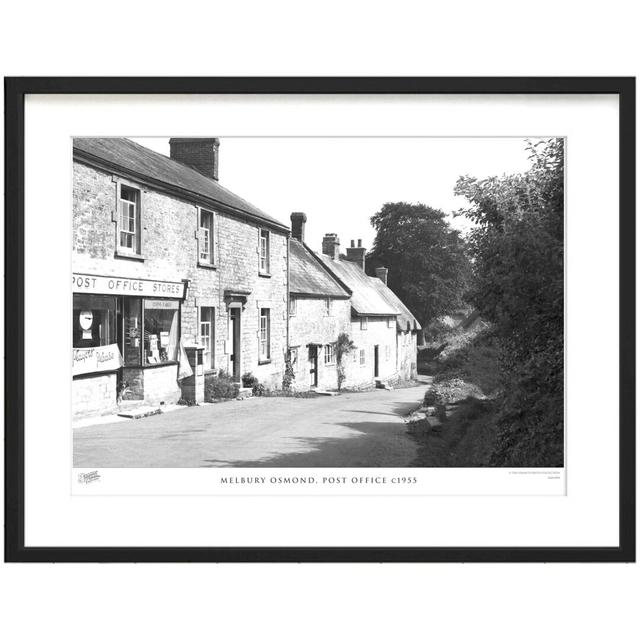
column 154, row 365
column 268, row 361
column 94, row 374
column 264, row 274
column 207, row 265
column 129, row 256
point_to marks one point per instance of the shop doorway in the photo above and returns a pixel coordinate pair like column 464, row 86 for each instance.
column 376, row 361
column 235, row 341
column 313, row 366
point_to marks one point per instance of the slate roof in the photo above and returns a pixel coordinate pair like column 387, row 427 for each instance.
column 307, row 277
column 163, row 171
column 406, row 320
column 366, row 298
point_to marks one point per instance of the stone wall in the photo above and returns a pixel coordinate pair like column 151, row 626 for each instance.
column 238, row 268
column 311, row 324
column 170, row 252
column 161, row 384
column 94, row 395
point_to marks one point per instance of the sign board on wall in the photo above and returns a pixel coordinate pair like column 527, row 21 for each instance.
column 107, row 358
column 113, row 285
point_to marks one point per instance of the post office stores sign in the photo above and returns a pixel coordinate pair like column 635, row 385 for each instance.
column 112, row 285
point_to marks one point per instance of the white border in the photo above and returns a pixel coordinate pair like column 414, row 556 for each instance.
column 587, row 516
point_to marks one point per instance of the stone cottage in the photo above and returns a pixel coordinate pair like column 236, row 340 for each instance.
column 374, row 317
column 319, row 311
column 407, row 329
column 165, row 257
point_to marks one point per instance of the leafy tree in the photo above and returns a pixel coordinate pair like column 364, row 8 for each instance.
column 426, row 258
column 517, row 247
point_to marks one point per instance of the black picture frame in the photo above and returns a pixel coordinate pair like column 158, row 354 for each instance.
column 15, row 91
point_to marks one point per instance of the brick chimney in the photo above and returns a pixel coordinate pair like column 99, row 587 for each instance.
column 200, row 154
column 381, row 272
column 331, row 245
column 298, row 220
column 356, row 254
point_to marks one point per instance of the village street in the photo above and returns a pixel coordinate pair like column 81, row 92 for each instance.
column 350, row 430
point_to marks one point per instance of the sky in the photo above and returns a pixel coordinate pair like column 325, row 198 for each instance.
column 341, row 182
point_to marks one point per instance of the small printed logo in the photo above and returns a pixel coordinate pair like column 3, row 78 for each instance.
column 86, row 478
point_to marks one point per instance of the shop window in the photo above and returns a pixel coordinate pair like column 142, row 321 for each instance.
column 129, row 220
column 206, row 237
column 293, row 306
column 265, row 335
column 364, row 323
column 94, row 321
column 264, row 251
column 160, row 331
column 330, row 354
column 207, row 328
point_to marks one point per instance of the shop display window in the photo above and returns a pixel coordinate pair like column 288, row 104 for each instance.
column 145, row 330
column 94, row 321
column 160, row 331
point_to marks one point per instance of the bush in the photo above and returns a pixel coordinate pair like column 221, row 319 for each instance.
column 220, row 386
column 430, row 397
column 259, row 389
column 249, row 380
column 344, row 346
column 289, row 374
column 517, row 246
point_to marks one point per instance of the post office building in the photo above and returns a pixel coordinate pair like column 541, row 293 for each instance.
column 165, row 259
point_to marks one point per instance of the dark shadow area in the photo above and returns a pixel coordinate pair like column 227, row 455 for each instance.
column 374, row 444
column 174, row 435
column 465, row 440
column 398, row 409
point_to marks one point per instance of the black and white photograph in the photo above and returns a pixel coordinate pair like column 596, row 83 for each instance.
column 318, row 302
column 321, row 327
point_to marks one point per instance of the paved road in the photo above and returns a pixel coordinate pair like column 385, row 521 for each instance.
column 351, row 430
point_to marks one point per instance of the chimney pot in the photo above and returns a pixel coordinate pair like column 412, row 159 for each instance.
column 353, row 243
column 331, row 245
column 356, row 254
column 382, row 272
column 298, row 220
column 200, row 154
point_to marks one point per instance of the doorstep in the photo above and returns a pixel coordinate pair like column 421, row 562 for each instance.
column 128, row 410
column 383, row 383
column 140, row 412
column 323, row 392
